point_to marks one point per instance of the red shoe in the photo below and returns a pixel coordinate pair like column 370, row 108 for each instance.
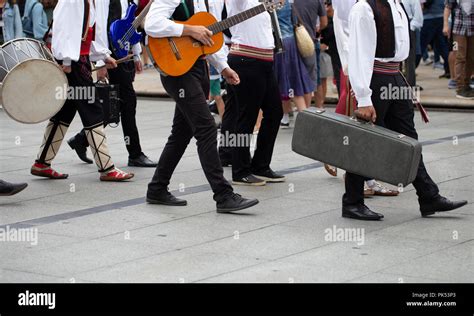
column 45, row 171
column 116, row 175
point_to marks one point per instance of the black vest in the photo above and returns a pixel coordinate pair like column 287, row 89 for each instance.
column 385, row 28
column 180, row 12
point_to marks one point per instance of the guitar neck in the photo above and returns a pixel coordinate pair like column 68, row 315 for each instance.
column 139, row 19
column 236, row 19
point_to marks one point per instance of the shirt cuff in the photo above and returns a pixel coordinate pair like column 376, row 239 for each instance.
column 364, row 102
column 67, row 62
column 100, row 63
column 221, row 66
column 177, row 30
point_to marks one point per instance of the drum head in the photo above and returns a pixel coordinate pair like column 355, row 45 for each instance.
column 33, row 91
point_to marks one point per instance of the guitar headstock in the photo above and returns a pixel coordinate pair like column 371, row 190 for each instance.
column 271, row 6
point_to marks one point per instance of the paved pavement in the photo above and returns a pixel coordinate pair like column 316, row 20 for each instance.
column 90, row 231
column 435, row 94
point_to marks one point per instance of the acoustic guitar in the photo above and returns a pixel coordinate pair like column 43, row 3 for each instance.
column 175, row 56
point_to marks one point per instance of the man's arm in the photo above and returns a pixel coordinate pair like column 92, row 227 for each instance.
column 158, row 23
column 417, row 21
column 362, row 47
column 100, row 46
column 447, row 13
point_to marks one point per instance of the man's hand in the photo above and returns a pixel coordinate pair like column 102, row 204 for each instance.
column 366, row 113
column 138, row 66
column 231, row 76
column 102, row 74
column 67, row 69
column 110, row 63
column 200, row 33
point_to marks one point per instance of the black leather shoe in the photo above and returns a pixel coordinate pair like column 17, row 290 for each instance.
column 360, row 212
column 270, row 176
column 81, row 150
column 166, row 199
column 235, row 203
column 142, row 161
column 439, row 204
column 8, row 189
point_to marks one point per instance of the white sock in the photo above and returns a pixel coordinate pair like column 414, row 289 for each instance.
column 286, row 118
column 370, row 183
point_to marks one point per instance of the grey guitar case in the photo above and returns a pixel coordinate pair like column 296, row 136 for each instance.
column 358, row 147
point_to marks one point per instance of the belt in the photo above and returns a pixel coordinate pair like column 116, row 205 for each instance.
column 252, row 52
column 390, row 68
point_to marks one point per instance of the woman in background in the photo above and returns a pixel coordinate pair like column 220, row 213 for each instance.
column 10, row 21
column 292, row 75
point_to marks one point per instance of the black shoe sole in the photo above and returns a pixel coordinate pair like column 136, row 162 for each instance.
column 426, row 214
column 236, row 209
column 141, row 166
column 17, row 190
column 362, row 218
column 151, row 201
column 250, row 184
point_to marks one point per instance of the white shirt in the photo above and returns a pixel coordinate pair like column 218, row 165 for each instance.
column 415, row 13
column 363, row 44
column 101, row 27
column 342, row 8
column 158, row 24
column 256, row 31
column 67, row 32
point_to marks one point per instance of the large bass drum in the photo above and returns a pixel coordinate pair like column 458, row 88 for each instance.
column 33, row 86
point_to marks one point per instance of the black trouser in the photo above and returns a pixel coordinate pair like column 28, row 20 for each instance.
column 410, row 63
column 398, row 116
column 192, row 118
column 89, row 109
column 124, row 75
column 229, row 123
column 258, row 89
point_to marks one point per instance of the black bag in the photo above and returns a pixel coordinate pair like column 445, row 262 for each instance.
column 358, row 147
column 109, row 98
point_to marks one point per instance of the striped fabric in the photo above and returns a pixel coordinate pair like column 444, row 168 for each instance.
column 390, row 68
column 252, row 52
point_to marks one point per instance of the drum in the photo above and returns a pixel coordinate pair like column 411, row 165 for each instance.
column 33, row 86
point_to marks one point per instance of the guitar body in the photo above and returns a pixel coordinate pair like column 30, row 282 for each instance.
column 178, row 61
column 123, row 35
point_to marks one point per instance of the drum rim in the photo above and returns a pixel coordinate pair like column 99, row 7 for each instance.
column 5, row 80
column 23, row 39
